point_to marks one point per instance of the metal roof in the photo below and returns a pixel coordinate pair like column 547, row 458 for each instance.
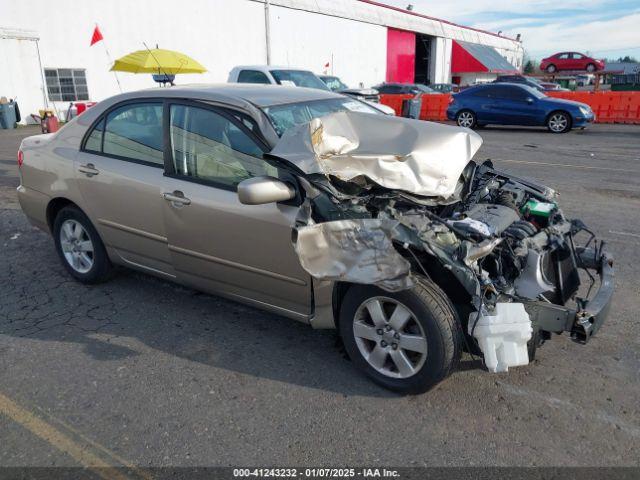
column 376, row 13
column 489, row 57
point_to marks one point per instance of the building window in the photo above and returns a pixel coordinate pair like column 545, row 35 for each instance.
column 66, row 84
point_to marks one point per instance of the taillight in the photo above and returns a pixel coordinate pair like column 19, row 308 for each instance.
column 20, row 158
column 451, row 99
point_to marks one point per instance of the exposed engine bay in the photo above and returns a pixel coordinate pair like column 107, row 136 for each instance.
column 384, row 204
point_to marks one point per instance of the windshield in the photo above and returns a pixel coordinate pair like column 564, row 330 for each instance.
column 283, row 117
column 534, row 80
column 534, row 92
column 423, row 88
column 334, row 83
column 299, row 78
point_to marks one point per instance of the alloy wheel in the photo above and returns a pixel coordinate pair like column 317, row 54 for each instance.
column 465, row 119
column 76, row 246
column 558, row 122
column 389, row 337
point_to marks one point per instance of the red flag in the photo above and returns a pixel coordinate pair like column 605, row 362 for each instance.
column 96, row 37
column 326, row 65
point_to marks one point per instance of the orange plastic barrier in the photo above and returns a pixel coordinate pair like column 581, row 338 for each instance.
column 394, row 101
column 434, row 106
column 609, row 107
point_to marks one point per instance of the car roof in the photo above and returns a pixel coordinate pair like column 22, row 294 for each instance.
column 491, row 84
column 268, row 68
column 256, row 94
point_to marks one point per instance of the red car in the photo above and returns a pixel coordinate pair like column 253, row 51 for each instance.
column 570, row 61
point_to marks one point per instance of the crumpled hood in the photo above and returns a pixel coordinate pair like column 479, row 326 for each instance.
column 415, row 156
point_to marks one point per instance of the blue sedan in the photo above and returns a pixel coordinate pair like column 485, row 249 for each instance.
column 513, row 104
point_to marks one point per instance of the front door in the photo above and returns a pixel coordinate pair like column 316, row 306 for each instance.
column 218, row 244
column 119, row 172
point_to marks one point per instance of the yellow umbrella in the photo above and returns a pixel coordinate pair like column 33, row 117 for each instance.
column 158, row 61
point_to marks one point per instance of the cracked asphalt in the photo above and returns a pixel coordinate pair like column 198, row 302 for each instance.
column 147, row 373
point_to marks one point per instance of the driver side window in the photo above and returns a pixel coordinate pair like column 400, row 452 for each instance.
column 208, row 146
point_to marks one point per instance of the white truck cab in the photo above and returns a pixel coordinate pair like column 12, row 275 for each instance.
column 277, row 75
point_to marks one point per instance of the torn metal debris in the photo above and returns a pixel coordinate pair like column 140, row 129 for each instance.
column 357, row 251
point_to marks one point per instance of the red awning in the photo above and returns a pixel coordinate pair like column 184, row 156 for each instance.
column 469, row 57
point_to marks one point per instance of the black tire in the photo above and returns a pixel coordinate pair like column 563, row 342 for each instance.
column 101, row 268
column 551, row 68
column 463, row 116
column 438, row 320
column 552, row 122
column 591, row 68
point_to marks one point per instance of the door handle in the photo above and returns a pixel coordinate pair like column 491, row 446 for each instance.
column 89, row 170
column 176, row 197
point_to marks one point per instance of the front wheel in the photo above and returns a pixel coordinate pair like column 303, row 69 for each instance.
column 405, row 341
column 551, row 68
column 559, row 122
column 466, row 118
column 591, row 68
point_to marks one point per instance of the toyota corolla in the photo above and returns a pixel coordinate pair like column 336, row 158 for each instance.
column 312, row 205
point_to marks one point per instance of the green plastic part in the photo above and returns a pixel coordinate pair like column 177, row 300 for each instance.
column 539, row 209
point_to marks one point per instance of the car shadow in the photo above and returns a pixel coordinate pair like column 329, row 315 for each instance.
column 110, row 320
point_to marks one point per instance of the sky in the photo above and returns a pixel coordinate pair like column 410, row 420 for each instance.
column 601, row 28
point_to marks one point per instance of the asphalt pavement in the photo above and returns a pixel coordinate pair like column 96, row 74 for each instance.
column 141, row 372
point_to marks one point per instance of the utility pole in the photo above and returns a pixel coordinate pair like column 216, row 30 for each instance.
column 267, row 30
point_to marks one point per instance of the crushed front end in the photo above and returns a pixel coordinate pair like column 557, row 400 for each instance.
column 385, row 204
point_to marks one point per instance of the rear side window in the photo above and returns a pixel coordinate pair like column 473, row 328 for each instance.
column 510, row 93
column 484, row 92
column 252, row 76
column 94, row 140
column 135, row 131
column 131, row 132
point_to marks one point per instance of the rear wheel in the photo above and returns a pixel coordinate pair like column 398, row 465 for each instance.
column 559, row 122
column 466, row 118
column 406, row 341
column 591, row 68
column 551, row 68
column 79, row 246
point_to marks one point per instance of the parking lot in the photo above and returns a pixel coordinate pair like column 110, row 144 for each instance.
column 142, row 372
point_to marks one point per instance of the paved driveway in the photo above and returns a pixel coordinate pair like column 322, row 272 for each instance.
column 140, row 371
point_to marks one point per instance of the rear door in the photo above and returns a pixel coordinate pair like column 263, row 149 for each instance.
column 218, row 244
column 119, row 172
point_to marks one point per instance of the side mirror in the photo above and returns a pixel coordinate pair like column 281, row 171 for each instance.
column 529, row 100
column 261, row 190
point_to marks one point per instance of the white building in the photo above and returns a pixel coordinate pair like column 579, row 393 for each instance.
column 45, row 57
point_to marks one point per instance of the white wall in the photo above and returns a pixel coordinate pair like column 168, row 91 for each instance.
column 20, row 76
column 472, row 78
column 441, row 60
column 217, row 33
column 309, row 40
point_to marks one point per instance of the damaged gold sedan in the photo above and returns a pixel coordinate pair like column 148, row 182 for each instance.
column 445, row 252
column 315, row 206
